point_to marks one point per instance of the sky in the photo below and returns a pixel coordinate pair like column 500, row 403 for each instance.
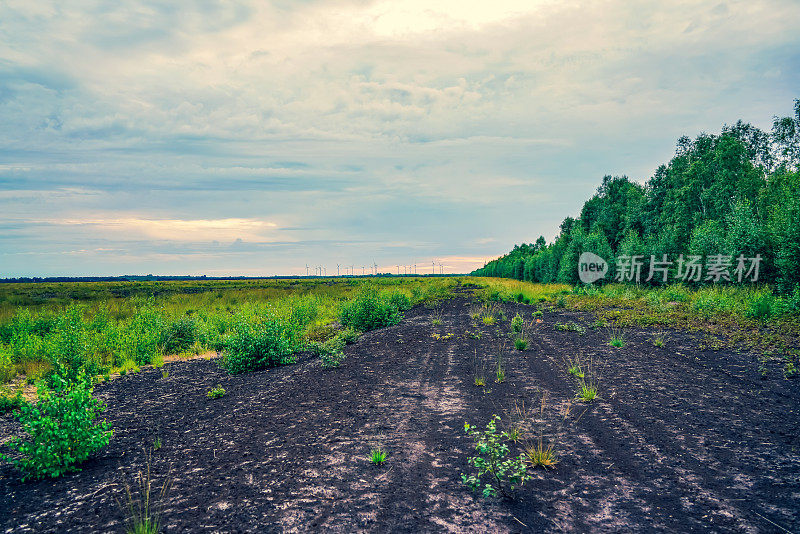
column 255, row 138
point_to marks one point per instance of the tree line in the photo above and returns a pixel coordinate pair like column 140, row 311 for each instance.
column 734, row 194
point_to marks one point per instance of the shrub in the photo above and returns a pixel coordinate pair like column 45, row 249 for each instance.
column 7, row 368
column 319, row 333
column 349, row 336
column 516, row 323
column 495, row 469
column 331, row 360
column 216, row 392
column 570, row 326
column 400, row 301
column 369, row 311
column 144, row 333
column 61, row 429
column 9, row 401
column 180, row 335
column 254, row 347
column 520, row 343
column 763, row 306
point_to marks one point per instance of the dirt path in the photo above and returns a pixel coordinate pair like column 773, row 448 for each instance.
column 679, row 440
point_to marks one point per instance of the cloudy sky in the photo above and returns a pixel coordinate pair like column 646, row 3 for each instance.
column 228, row 138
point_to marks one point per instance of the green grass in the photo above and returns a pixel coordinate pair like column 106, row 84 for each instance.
column 570, row 326
column 538, row 455
column 576, row 371
column 587, row 391
column 617, row 342
column 108, row 326
column 143, row 507
column 377, row 456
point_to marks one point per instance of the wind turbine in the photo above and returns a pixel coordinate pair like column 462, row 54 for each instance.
column 306, row 269
column 337, row 269
column 433, row 267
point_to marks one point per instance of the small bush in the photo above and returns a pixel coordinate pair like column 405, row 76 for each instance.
column 331, row 360
column 616, row 339
column 61, row 430
column 10, row 401
column 520, row 343
column 570, row 326
column 369, row 311
column 128, row 366
column 145, row 509
column 320, row 333
column 516, row 323
column 500, row 370
column 349, row 336
column 216, row 392
column 495, row 469
column 400, row 301
column 7, row 368
column 762, row 307
column 254, row 347
column 180, row 335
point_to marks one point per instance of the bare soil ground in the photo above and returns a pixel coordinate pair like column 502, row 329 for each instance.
column 680, row 439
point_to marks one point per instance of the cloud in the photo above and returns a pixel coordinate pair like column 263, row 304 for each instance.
column 195, row 230
column 400, row 130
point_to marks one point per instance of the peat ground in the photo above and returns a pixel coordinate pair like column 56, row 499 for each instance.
column 680, row 439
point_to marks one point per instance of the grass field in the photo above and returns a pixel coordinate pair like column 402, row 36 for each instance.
column 113, row 326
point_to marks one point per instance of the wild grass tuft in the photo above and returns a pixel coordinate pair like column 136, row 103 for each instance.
column 539, row 455
column 144, row 506
column 587, row 391
column 377, row 456
column 616, row 338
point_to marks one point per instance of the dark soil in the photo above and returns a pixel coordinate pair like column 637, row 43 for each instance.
column 679, row 440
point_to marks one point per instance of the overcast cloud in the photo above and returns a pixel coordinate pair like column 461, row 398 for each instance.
column 254, row 138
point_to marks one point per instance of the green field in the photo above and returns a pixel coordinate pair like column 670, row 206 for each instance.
column 107, row 327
